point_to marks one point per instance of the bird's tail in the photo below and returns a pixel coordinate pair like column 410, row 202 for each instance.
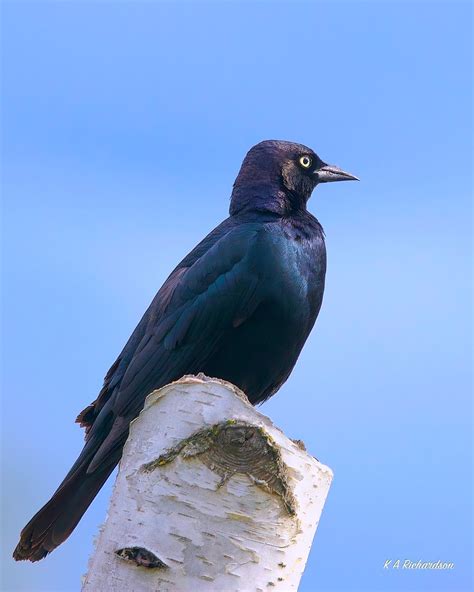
column 57, row 519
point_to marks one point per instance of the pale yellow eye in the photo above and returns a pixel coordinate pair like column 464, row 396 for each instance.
column 305, row 161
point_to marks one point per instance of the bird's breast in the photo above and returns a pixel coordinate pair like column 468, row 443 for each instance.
column 297, row 274
column 259, row 354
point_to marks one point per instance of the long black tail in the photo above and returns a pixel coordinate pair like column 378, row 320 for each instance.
column 57, row 519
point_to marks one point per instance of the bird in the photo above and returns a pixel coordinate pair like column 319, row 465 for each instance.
column 239, row 307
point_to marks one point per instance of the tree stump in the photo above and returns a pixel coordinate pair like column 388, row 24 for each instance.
column 210, row 495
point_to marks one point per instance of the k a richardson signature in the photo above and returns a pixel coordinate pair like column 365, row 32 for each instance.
column 409, row 564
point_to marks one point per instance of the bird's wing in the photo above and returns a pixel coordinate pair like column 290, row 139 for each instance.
column 156, row 310
column 218, row 292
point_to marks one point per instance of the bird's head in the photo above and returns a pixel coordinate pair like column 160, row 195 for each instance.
column 280, row 176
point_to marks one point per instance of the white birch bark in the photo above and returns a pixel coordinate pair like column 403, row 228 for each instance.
column 210, row 495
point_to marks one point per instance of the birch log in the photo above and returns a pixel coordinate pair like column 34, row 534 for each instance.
column 210, row 495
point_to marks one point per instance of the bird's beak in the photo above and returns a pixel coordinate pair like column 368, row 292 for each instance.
column 328, row 173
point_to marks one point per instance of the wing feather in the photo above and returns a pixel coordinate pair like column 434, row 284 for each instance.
column 217, row 293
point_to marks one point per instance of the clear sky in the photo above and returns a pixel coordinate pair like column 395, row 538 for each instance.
column 124, row 125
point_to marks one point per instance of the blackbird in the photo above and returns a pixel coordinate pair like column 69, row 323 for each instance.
column 239, row 307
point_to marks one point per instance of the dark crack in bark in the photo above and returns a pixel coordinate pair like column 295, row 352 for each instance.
column 141, row 557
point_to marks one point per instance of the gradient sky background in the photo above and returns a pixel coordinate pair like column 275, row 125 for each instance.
column 124, row 125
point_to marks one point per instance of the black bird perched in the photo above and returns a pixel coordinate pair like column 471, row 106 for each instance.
column 239, row 307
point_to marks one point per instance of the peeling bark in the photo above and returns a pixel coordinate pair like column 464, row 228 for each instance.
column 235, row 447
column 209, row 496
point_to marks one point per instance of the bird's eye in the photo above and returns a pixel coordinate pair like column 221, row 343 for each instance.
column 305, row 161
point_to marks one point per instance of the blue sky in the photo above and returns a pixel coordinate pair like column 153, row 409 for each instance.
column 124, row 125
